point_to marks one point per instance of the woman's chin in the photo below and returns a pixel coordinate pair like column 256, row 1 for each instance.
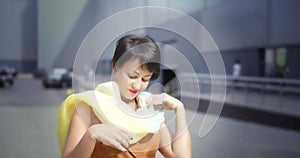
column 132, row 97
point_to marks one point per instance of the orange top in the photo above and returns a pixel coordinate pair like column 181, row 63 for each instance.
column 145, row 148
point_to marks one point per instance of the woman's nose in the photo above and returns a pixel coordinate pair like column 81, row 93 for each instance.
column 137, row 85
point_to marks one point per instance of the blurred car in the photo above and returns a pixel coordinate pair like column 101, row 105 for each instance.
column 6, row 77
column 59, row 77
column 12, row 70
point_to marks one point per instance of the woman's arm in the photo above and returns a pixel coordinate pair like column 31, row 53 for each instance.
column 80, row 142
column 85, row 129
column 178, row 144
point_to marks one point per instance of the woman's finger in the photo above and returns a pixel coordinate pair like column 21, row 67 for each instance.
column 124, row 142
column 125, row 137
column 159, row 98
column 122, row 128
column 118, row 145
column 125, row 134
column 149, row 101
column 158, row 106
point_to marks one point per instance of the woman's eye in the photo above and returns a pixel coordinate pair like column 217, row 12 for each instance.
column 133, row 77
column 143, row 79
column 146, row 80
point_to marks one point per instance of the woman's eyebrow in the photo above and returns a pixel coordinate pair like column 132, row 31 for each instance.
column 136, row 72
column 139, row 74
column 148, row 75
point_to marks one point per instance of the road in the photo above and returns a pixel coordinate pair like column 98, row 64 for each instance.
column 28, row 129
column 28, row 120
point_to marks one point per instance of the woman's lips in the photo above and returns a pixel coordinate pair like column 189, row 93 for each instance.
column 133, row 91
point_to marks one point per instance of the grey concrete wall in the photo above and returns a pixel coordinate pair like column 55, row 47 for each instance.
column 18, row 40
column 96, row 10
column 244, row 24
column 93, row 12
column 285, row 22
column 55, row 20
column 239, row 24
column 183, row 46
column 242, row 27
column 236, row 25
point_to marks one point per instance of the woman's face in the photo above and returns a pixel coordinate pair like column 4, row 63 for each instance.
column 132, row 78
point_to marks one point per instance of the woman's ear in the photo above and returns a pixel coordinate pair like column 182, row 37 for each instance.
column 114, row 69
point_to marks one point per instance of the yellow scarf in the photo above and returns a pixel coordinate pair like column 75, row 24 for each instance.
column 108, row 107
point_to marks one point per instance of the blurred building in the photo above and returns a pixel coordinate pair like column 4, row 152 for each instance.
column 263, row 34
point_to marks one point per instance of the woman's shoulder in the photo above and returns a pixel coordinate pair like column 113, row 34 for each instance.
column 87, row 113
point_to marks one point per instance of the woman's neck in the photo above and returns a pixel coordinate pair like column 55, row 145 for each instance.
column 131, row 103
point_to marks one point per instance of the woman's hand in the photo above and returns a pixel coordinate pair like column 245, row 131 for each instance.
column 165, row 101
column 112, row 135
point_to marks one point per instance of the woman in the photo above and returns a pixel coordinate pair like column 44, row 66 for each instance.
column 135, row 63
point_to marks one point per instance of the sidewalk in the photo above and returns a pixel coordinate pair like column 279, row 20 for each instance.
column 272, row 102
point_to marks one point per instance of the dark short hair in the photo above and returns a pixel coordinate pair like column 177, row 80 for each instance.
column 142, row 47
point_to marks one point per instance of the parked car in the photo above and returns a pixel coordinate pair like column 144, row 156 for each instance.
column 66, row 80
column 59, row 77
column 13, row 71
column 6, row 77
